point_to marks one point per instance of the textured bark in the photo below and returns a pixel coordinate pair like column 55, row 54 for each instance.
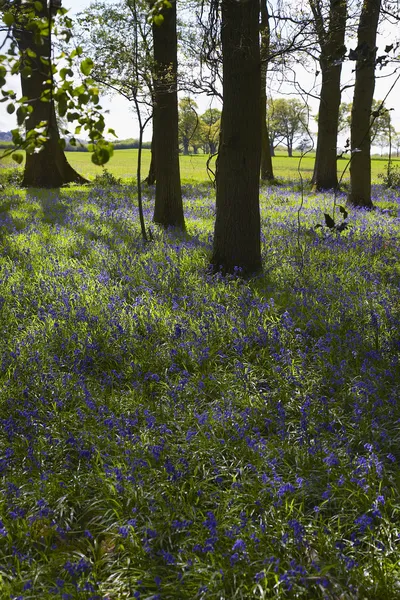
column 267, row 173
column 48, row 168
column 168, row 210
column 332, row 50
column 360, row 166
column 237, row 226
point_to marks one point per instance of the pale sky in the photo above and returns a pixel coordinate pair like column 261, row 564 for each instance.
column 122, row 119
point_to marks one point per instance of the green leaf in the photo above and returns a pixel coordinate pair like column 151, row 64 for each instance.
column 17, row 157
column 83, row 99
column 76, row 52
column 102, row 152
column 10, row 108
column 62, row 104
column 21, row 114
column 111, row 132
column 8, row 19
column 100, row 157
column 86, row 66
column 158, row 20
column 38, row 6
column 26, row 71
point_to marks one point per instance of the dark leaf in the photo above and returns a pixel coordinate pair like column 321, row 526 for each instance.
column 329, row 222
column 17, row 157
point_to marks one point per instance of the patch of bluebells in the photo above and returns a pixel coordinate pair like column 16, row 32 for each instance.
column 187, row 425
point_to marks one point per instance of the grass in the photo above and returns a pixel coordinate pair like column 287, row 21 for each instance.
column 172, row 434
column 194, row 167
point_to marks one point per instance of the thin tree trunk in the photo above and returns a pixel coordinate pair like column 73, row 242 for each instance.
column 48, row 168
column 237, row 226
column 151, row 177
column 360, row 165
column 272, row 150
column 267, row 173
column 168, row 210
column 332, row 50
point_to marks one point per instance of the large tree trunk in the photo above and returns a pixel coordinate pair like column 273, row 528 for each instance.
column 267, row 173
column 168, row 210
column 360, row 165
column 48, row 168
column 237, row 226
column 332, row 49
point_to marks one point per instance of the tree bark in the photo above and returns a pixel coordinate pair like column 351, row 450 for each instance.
column 332, row 49
column 168, row 210
column 237, row 226
column 360, row 165
column 267, row 173
column 185, row 143
column 151, row 177
column 48, row 168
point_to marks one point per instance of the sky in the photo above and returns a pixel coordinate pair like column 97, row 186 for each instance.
column 121, row 118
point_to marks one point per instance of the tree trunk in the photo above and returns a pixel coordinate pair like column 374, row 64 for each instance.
column 151, row 177
column 168, row 210
column 185, row 143
column 237, row 226
column 360, row 165
column 267, row 173
column 48, row 168
column 272, row 150
column 332, row 49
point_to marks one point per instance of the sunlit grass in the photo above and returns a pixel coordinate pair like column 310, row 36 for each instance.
column 194, row 167
column 172, row 434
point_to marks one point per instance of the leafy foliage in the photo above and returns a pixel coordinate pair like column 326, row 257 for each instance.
column 76, row 102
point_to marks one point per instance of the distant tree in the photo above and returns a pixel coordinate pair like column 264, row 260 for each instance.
column 344, row 117
column 381, row 123
column 287, row 121
column 380, row 120
column 330, row 27
column 237, row 226
column 396, row 143
column 274, row 133
column 188, row 123
column 365, row 54
column 211, row 116
column 210, row 127
column 168, row 210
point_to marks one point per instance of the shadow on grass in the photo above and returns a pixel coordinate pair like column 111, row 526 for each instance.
column 58, row 209
column 54, row 210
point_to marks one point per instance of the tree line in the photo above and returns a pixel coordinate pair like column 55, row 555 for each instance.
column 232, row 48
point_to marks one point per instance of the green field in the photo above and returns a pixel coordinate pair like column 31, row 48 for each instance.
column 193, row 167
